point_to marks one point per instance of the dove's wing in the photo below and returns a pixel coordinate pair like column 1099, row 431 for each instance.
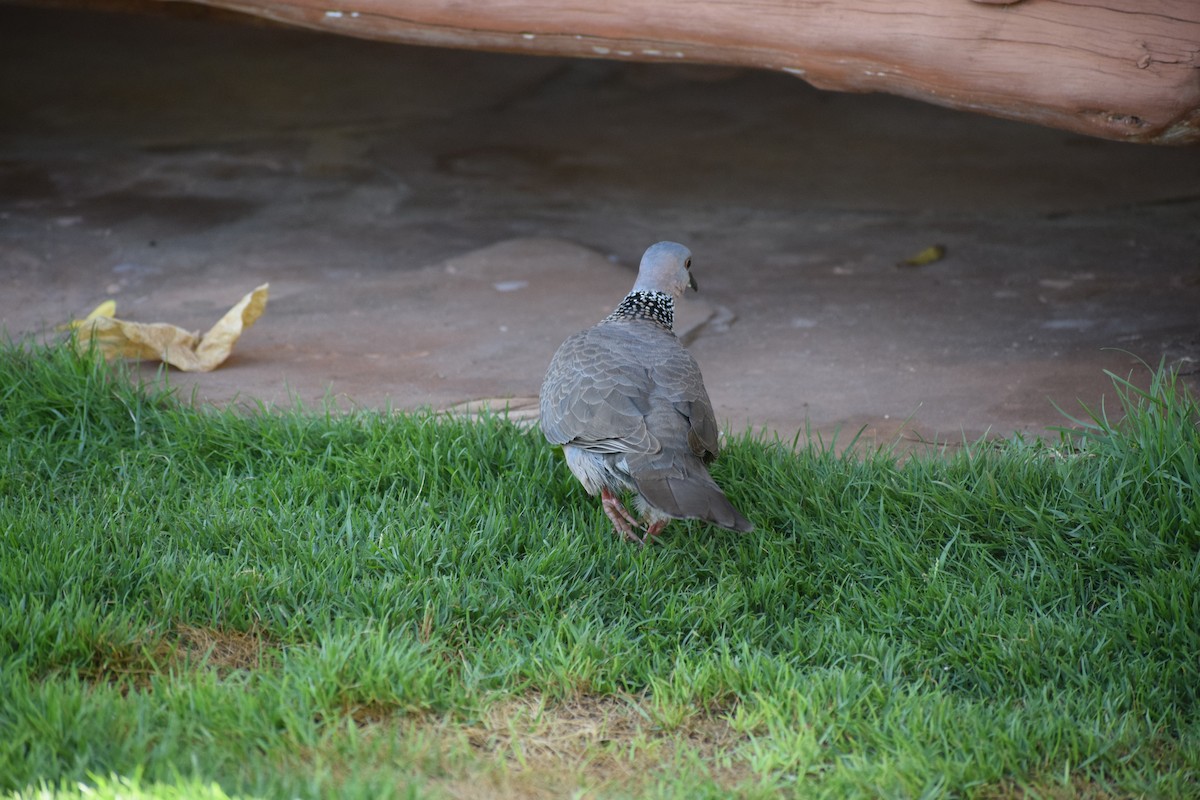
column 596, row 397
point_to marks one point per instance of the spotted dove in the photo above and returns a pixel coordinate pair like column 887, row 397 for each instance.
column 627, row 403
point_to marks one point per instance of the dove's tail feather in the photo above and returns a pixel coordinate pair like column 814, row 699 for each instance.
column 691, row 497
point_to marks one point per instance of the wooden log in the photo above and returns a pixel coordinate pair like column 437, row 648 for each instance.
column 1117, row 69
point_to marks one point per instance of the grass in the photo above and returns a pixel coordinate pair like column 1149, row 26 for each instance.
column 201, row 603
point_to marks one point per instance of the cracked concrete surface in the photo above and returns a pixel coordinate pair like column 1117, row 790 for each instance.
column 434, row 222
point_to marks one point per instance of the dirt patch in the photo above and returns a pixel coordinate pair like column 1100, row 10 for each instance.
column 172, row 164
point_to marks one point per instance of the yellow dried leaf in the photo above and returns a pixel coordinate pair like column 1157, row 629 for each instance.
column 190, row 352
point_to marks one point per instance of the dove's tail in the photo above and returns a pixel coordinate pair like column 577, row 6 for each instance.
column 694, row 496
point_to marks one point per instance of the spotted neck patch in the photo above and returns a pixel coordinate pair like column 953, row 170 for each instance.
column 655, row 307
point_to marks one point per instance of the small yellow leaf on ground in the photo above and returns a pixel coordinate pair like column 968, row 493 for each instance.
column 927, row 256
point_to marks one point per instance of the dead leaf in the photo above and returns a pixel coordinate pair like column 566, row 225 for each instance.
column 190, row 352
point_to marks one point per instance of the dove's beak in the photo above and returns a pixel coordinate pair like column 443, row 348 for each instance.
column 692, row 283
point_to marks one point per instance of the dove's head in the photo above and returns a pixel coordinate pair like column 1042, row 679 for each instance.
column 666, row 267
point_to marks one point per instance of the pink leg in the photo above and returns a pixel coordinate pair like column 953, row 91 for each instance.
column 623, row 522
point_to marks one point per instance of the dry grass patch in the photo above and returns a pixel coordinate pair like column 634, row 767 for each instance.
column 188, row 647
column 221, row 650
column 1079, row 787
column 530, row 747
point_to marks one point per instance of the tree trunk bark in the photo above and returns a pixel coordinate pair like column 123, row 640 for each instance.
column 1117, row 69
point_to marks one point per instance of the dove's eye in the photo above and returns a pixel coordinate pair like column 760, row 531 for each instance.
column 687, row 264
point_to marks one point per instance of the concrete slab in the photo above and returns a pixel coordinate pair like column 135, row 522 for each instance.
column 173, row 163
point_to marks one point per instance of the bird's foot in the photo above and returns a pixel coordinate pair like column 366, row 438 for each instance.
column 624, row 523
column 655, row 528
